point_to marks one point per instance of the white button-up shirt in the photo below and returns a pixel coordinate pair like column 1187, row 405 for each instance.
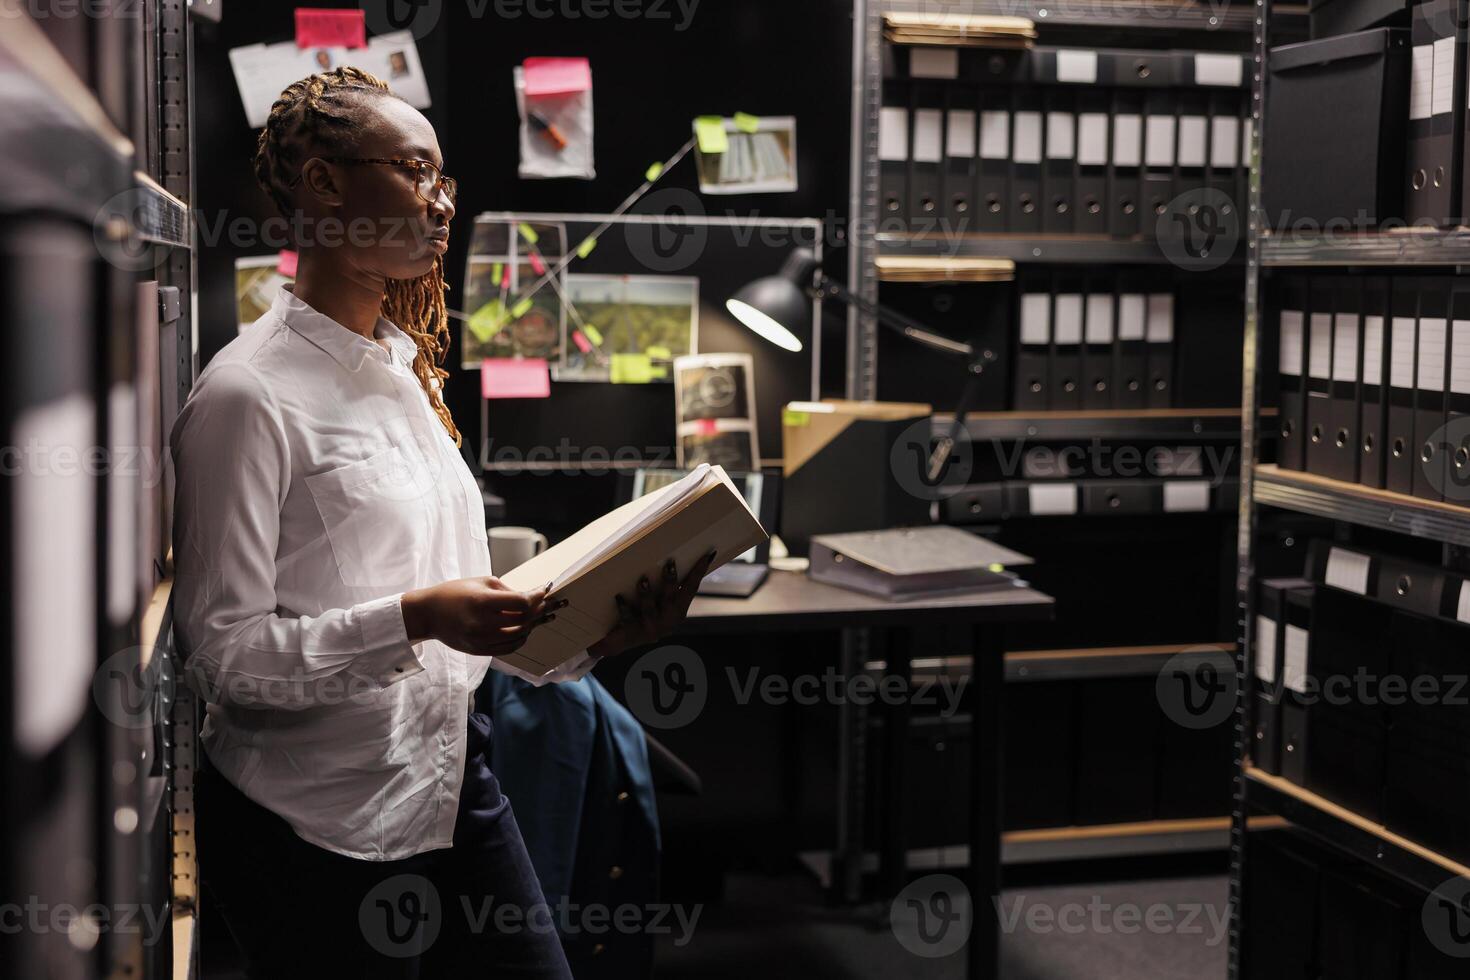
column 315, row 485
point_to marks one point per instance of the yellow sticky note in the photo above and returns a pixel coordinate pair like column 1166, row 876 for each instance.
column 585, row 249
column 495, row 271
column 486, row 322
column 996, row 566
column 661, row 353
column 519, row 310
column 631, row 369
column 592, row 334
column 528, row 233
column 710, row 132
column 794, row 418
column 654, row 172
column 747, row 123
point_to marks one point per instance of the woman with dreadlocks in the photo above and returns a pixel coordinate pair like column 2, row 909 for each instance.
column 334, row 602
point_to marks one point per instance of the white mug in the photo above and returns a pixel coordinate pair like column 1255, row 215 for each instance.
column 511, row 546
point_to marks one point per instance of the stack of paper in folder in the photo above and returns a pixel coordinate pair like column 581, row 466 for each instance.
column 959, row 30
column 683, row 521
column 912, row 562
column 914, row 268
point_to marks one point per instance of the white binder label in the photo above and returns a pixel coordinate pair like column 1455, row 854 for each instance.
column 1421, row 82
column 1192, row 136
column 1092, row 139
column 1431, row 353
column 928, row 135
column 1460, row 358
column 1348, row 570
column 1076, row 66
column 1068, row 325
column 1294, row 667
column 1219, row 69
column 1246, row 132
column 1443, row 97
column 1372, row 350
column 893, row 134
column 1462, row 611
column 936, row 62
column 1158, row 141
column 1127, row 140
column 1401, row 353
column 1345, row 347
column 1319, row 351
column 959, row 139
column 1099, row 318
column 995, row 134
column 1161, row 318
column 1182, row 496
column 1035, row 318
column 1265, row 649
column 1131, row 316
column 1027, row 147
column 1224, row 142
column 1052, row 498
column 1291, row 342
column 1059, row 136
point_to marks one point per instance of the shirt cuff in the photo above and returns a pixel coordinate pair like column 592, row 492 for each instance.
column 387, row 656
column 573, row 670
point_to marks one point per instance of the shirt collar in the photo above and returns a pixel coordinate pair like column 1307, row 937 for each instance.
column 347, row 347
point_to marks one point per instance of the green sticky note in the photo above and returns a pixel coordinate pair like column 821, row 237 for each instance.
column 585, row 249
column 710, row 132
column 631, row 369
column 654, row 172
column 519, row 310
column 528, row 233
column 659, row 372
column 661, row 353
column 747, row 123
column 486, row 322
column 592, row 334
column 794, row 418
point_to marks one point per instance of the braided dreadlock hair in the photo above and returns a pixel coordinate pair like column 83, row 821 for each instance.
column 317, row 117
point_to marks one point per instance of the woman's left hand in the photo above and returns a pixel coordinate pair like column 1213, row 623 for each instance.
column 656, row 611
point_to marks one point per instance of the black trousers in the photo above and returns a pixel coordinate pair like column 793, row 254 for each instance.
column 297, row 910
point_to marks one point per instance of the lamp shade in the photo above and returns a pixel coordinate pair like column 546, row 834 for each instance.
column 776, row 306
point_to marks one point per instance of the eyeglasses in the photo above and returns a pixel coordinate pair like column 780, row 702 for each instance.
column 427, row 179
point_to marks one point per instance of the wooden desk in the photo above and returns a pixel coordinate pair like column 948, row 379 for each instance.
column 790, row 601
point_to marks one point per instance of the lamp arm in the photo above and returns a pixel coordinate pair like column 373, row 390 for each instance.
column 830, row 288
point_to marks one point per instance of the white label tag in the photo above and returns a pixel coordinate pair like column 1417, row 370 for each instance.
column 1059, row 136
column 995, row 134
column 1160, row 318
column 1092, row 139
column 1224, row 142
column 893, row 134
column 1035, row 318
column 1462, row 611
column 1127, row 140
column 1443, row 97
column 1432, row 338
column 1076, row 66
column 1246, row 132
column 1192, row 138
column 1158, row 148
column 1265, row 649
column 1421, row 82
column 1182, row 496
column 1372, row 350
column 1460, row 358
column 935, row 62
column 1291, row 342
column 1348, row 570
column 1294, row 669
column 959, row 135
column 1319, row 351
column 1027, row 148
column 1099, row 318
column 1219, row 69
column 1052, row 498
column 1401, row 353
column 928, row 135
column 1345, row 347
column 1131, row 316
column 1068, row 323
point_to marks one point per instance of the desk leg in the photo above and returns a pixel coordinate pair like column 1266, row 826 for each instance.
column 894, row 870
column 987, row 675
column 852, row 754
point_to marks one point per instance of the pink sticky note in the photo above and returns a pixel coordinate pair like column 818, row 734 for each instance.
column 514, row 377
column 706, row 427
column 557, row 76
column 286, row 263
column 317, row 28
column 583, row 344
column 537, row 266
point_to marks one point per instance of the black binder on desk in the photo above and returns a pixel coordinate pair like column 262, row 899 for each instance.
column 959, row 161
column 1160, row 138
column 1430, row 372
column 1371, row 382
column 1436, row 112
column 1024, row 213
column 893, row 156
column 1457, row 400
column 1090, row 214
column 1319, row 374
column 1398, row 459
column 1159, row 334
column 1296, row 643
column 1130, row 384
column 1225, row 165
column 1342, row 427
column 1097, row 347
column 1033, row 352
column 1125, row 192
column 1059, row 171
column 1292, row 367
column 1066, row 337
column 926, row 158
column 992, row 165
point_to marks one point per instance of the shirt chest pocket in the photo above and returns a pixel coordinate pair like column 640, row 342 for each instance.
column 376, row 515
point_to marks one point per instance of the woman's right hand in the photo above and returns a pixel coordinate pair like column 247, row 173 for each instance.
column 481, row 616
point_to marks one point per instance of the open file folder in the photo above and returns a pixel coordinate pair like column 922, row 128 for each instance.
column 683, row 521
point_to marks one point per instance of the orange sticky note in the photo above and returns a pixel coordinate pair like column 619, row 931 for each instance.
column 316, row 28
column 514, row 377
column 556, row 76
column 286, row 263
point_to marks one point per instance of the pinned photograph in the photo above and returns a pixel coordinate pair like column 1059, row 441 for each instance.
column 504, row 316
column 714, row 398
column 628, row 329
column 746, row 154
